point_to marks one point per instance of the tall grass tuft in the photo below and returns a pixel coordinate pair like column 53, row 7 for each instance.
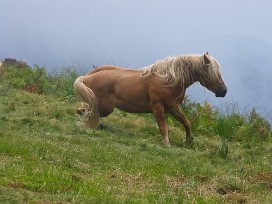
column 224, row 150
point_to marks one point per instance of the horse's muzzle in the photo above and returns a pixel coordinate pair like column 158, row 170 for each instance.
column 221, row 92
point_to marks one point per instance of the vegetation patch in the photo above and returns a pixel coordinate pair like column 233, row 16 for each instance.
column 46, row 157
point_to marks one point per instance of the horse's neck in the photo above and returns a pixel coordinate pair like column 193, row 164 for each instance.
column 188, row 81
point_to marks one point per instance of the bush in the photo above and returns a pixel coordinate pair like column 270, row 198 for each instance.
column 202, row 118
column 257, row 128
column 36, row 80
column 17, row 77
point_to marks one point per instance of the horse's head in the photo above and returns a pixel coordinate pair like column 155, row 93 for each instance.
column 211, row 78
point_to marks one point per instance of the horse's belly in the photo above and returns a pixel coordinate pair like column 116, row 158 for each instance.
column 133, row 108
column 133, row 103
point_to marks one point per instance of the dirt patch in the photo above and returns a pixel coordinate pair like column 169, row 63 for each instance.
column 15, row 185
column 175, row 182
column 264, row 179
column 237, row 198
column 33, row 88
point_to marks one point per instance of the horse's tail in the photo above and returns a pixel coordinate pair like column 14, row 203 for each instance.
column 90, row 109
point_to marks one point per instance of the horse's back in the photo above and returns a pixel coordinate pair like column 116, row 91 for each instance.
column 103, row 68
column 113, row 79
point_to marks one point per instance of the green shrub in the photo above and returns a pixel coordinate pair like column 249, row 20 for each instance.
column 228, row 124
column 257, row 128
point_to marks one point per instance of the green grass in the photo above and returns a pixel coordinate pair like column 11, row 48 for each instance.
column 45, row 157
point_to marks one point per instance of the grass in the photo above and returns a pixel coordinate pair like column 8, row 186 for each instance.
column 45, row 157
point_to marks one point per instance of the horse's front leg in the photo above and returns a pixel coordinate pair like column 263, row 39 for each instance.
column 158, row 112
column 177, row 114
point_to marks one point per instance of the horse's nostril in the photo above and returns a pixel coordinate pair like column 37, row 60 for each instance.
column 221, row 92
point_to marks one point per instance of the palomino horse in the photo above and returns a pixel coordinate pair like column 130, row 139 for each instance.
column 158, row 88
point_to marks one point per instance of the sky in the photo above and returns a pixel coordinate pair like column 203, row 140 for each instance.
column 136, row 33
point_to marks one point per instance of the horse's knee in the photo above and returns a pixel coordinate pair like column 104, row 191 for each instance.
column 188, row 129
column 187, row 124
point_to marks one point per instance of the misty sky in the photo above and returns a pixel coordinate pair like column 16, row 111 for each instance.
column 135, row 33
column 130, row 33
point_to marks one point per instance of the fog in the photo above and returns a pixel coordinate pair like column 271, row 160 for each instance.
column 61, row 33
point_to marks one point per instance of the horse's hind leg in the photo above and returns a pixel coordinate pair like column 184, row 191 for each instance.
column 176, row 113
column 158, row 111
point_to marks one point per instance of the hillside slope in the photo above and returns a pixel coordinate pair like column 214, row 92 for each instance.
column 46, row 157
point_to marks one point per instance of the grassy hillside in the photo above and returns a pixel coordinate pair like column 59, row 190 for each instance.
column 46, row 157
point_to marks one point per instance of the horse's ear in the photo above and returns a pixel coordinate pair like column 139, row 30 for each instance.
column 206, row 59
column 207, row 53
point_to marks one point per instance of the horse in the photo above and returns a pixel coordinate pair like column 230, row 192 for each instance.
column 158, row 88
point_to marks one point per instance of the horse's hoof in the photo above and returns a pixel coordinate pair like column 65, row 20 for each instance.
column 167, row 144
column 101, row 126
column 81, row 111
column 189, row 140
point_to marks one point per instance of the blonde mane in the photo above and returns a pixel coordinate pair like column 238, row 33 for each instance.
column 184, row 69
